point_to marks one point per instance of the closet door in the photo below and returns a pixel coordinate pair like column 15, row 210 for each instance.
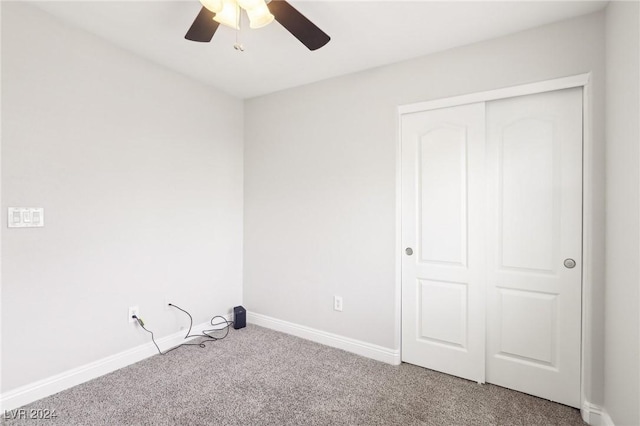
column 534, row 244
column 443, row 264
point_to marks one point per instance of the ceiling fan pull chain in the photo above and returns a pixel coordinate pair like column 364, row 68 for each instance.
column 238, row 45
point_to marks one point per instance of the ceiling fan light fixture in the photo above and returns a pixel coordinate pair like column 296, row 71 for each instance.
column 213, row 5
column 208, row 21
column 228, row 15
column 259, row 16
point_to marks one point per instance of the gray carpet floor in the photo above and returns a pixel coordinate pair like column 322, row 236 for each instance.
column 258, row 376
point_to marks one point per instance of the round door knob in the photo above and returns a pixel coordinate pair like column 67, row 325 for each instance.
column 409, row 251
column 569, row 263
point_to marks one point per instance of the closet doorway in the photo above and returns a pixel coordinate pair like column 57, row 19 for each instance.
column 491, row 229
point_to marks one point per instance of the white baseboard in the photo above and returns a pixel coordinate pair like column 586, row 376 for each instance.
column 54, row 384
column 595, row 415
column 379, row 353
column 606, row 420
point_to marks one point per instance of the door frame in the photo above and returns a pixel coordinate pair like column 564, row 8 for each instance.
column 580, row 80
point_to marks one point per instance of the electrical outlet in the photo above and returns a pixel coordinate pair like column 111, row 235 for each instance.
column 133, row 310
column 337, row 303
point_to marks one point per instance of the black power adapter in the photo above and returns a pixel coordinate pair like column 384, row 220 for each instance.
column 239, row 317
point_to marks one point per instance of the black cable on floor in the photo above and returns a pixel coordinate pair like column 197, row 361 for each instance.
column 205, row 333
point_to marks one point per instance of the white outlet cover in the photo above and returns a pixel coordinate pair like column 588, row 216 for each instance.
column 337, row 303
column 133, row 310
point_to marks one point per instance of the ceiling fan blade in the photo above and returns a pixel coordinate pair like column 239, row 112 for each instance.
column 203, row 28
column 298, row 25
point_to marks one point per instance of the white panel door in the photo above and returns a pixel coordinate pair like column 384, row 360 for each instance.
column 443, row 265
column 534, row 197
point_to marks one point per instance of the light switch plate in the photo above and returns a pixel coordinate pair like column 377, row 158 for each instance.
column 25, row 217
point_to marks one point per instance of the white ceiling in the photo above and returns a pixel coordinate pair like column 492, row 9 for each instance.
column 364, row 34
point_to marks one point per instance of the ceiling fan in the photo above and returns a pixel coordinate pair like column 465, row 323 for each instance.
column 261, row 13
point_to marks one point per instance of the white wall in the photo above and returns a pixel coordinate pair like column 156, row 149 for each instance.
column 622, row 353
column 320, row 176
column 140, row 173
